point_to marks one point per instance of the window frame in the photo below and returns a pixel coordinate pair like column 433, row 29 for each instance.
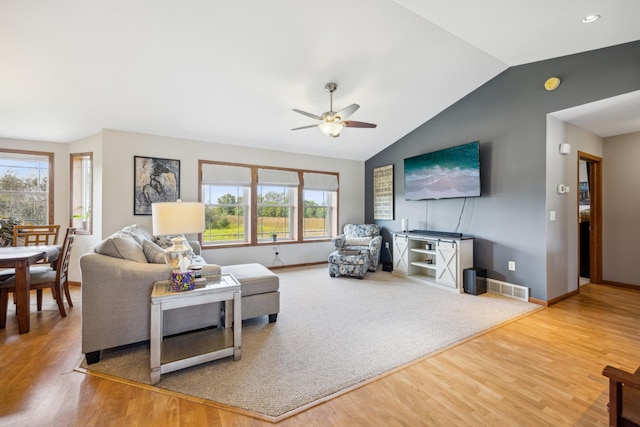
column 50, row 176
column 330, row 215
column 78, row 186
column 297, row 218
column 246, row 206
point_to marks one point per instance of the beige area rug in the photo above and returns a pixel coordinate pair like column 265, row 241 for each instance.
column 332, row 334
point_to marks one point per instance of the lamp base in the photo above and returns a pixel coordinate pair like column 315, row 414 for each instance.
column 174, row 254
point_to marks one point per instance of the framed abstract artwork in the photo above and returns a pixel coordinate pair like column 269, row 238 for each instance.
column 383, row 192
column 155, row 180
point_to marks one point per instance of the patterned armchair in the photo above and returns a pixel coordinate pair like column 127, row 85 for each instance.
column 361, row 237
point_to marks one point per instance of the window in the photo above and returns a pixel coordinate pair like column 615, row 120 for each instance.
column 277, row 200
column 275, row 212
column 225, row 208
column 320, row 205
column 250, row 205
column 25, row 193
column 81, row 194
column 226, row 194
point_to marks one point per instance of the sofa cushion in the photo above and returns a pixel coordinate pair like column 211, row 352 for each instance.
column 255, row 278
column 121, row 247
column 165, row 241
column 153, row 252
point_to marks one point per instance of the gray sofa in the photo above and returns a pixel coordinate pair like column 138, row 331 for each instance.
column 117, row 278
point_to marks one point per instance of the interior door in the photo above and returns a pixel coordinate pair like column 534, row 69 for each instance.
column 590, row 241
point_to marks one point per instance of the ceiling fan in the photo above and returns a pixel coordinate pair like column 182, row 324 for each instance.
column 332, row 123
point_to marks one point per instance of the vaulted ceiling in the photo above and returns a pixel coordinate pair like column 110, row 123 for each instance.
column 231, row 72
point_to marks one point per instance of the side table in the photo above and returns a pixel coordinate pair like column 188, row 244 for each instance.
column 169, row 354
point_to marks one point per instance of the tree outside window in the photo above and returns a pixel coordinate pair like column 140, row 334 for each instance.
column 25, row 193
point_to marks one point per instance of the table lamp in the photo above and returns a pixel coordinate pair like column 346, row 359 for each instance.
column 178, row 217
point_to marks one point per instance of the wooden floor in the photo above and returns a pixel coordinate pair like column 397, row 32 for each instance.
column 541, row 370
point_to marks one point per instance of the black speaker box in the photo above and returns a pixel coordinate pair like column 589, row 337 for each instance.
column 475, row 280
column 387, row 266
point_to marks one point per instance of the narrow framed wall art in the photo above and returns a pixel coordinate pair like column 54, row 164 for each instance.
column 383, row 203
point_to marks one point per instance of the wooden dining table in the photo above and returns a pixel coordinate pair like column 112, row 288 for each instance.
column 20, row 258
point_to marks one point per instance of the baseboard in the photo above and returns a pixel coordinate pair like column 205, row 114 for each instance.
column 306, row 264
column 563, row 297
column 620, row 284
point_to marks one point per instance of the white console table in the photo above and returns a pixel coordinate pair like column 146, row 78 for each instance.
column 436, row 260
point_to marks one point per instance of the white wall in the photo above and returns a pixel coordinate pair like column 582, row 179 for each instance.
column 120, row 147
column 113, row 153
column 562, row 234
column 621, row 199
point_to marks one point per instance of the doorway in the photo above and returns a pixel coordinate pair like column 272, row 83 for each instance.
column 590, row 217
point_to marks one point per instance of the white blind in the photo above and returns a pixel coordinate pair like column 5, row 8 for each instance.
column 320, row 181
column 225, row 175
column 278, row 177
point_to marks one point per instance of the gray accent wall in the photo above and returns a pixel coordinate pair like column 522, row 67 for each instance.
column 508, row 115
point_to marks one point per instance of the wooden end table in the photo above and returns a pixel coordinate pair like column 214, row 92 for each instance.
column 169, row 354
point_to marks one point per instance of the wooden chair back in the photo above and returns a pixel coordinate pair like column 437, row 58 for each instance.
column 30, row 235
column 624, row 397
column 45, row 277
column 62, row 268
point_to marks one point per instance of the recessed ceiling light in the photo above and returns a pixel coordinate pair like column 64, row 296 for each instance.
column 590, row 18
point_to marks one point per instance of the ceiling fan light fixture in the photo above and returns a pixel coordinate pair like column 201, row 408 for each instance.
column 331, row 129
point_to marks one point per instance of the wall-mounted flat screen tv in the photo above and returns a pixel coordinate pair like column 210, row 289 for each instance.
column 444, row 174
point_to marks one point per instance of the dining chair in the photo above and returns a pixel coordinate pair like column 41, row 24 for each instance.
column 29, row 235
column 42, row 277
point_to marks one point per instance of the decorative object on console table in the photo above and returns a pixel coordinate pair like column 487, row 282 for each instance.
column 155, row 180
column 178, row 218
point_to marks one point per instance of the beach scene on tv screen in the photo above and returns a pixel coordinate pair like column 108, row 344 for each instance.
column 450, row 173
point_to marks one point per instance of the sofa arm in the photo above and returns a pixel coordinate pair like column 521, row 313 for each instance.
column 339, row 241
column 116, row 299
column 375, row 246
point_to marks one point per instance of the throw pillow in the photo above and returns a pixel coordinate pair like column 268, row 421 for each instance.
column 153, row 252
column 358, row 241
column 138, row 232
column 121, row 247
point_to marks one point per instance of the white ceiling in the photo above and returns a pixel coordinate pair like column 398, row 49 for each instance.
column 230, row 72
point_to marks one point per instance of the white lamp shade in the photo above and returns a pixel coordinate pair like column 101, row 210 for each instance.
column 177, row 218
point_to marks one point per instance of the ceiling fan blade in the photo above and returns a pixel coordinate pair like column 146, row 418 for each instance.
column 306, row 127
column 304, row 113
column 353, row 124
column 348, row 111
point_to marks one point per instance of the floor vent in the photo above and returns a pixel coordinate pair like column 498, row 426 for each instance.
column 508, row 289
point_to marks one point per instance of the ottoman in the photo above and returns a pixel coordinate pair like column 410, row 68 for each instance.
column 354, row 263
column 259, row 287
